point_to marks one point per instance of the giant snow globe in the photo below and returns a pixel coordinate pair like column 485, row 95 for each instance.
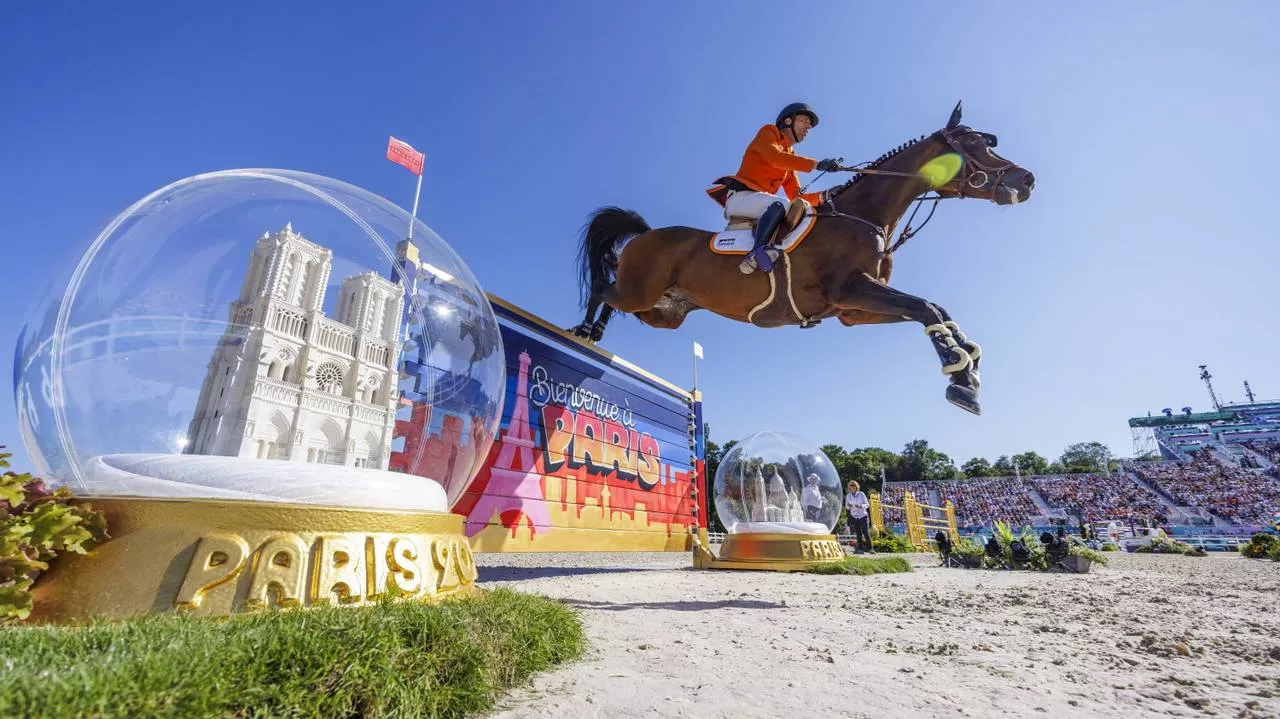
column 777, row 482
column 263, row 338
column 778, row 497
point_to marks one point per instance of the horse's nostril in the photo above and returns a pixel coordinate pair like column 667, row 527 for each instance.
column 1028, row 180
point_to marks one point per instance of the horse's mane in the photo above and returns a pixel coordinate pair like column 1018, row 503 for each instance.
column 876, row 163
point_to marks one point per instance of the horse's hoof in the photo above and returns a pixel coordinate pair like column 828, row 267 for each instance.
column 582, row 331
column 964, row 398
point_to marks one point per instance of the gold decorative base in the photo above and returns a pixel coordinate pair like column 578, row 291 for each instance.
column 772, row 552
column 216, row 557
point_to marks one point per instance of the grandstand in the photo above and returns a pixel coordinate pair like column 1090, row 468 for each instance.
column 1217, row 476
column 1206, row 492
column 1219, row 472
column 1229, row 431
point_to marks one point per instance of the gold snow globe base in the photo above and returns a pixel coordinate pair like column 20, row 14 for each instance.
column 772, row 552
column 216, row 557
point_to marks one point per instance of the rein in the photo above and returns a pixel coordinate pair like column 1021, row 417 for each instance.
column 907, row 230
column 992, row 175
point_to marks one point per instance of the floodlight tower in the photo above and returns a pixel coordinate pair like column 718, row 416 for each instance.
column 1208, row 382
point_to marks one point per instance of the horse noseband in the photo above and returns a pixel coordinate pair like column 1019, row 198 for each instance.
column 982, row 177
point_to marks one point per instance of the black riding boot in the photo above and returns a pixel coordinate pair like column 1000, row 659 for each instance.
column 759, row 255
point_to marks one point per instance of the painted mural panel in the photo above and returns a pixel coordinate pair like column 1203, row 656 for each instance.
column 592, row 454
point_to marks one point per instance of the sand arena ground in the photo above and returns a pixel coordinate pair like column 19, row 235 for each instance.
column 1145, row 636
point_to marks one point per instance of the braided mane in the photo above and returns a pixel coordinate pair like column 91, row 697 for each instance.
column 876, row 163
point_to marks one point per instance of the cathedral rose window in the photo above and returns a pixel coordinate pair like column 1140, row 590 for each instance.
column 329, row 378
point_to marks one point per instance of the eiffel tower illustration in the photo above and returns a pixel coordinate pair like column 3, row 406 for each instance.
column 514, row 481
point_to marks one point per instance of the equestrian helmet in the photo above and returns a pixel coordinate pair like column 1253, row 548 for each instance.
column 797, row 108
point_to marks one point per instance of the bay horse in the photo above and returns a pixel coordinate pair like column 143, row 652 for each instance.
column 840, row 270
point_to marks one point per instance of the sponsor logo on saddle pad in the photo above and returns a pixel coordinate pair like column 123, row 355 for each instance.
column 739, row 242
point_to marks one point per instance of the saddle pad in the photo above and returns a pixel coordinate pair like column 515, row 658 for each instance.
column 739, row 242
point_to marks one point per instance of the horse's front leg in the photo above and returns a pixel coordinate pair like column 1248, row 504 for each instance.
column 873, row 302
column 966, row 344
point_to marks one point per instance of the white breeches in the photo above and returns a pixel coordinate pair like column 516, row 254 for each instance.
column 747, row 203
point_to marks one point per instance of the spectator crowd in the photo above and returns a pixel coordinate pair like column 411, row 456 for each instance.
column 1101, row 497
column 1243, row 496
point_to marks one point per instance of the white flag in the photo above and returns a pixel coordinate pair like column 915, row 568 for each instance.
column 697, row 350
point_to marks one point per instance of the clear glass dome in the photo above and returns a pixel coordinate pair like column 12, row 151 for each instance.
column 268, row 316
column 777, row 482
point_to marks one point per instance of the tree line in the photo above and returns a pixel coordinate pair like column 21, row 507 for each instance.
column 919, row 462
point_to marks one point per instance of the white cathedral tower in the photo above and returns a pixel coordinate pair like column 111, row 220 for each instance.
column 302, row 386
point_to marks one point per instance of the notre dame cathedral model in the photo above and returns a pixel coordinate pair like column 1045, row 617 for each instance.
column 289, row 383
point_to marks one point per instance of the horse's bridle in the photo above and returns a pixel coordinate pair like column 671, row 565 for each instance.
column 991, row 176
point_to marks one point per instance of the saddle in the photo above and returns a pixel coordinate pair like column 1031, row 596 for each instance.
column 720, row 193
column 738, row 237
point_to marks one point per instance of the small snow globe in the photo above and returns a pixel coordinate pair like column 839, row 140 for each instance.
column 775, row 482
column 263, row 335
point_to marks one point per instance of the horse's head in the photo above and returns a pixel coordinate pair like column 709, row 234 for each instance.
column 983, row 174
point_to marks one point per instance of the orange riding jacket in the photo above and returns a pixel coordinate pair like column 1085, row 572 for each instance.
column 770, row 163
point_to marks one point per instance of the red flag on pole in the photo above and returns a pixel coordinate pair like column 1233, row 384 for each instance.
column 402, row 153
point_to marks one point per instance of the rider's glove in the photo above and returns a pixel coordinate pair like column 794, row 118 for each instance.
column 828, row 165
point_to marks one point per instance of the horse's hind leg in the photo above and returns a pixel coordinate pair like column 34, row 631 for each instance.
column 586, row 330
column 592, row 327
column 630, row 292
column 635, row 291
column 865, row 294
column 597, row 327
column 664, row 316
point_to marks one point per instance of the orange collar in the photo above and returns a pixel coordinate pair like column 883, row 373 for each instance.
column 787, row 142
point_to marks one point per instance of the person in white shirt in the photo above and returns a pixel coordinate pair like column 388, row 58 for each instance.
column 811, row 499
column 856, row 502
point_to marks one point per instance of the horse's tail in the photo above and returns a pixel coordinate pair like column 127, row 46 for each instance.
column 600, row 234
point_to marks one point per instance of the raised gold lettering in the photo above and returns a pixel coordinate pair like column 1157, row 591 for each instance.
column 335, row 574
column 375, row 567
column 217, row 558
column 443, row 551
column 466, row 562
column 402, row 565
column 806, row 549
column 279, row 570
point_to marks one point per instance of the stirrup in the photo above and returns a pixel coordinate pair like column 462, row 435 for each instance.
column 750, row 264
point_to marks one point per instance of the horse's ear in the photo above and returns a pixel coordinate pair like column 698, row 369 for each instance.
column 955, row 117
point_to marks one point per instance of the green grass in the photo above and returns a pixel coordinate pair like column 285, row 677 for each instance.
column 862, row 566
column 407, row 659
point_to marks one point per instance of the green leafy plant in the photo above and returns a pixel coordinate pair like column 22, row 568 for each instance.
column 1005, row 535
column 1275, row 552
column 969, row 554
column 36, row 525
column 887, row 541
column 1079, row 550
column 1162, row 543
column 1260, row 545
column 1110, row 547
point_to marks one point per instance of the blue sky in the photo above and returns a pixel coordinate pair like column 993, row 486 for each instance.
column 1147, row 249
